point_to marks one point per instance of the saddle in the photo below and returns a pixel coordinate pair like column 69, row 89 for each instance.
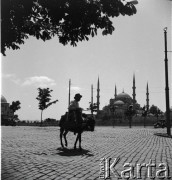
column 71, row 116
column 72, row 121
column 68, row 120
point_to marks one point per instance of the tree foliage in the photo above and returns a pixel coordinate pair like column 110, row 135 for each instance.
column 155, row 110
column 93, row 107
column 70, row 20
column 15, row 106
column 44, row 98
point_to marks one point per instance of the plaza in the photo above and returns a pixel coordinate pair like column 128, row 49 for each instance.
column 35, row 153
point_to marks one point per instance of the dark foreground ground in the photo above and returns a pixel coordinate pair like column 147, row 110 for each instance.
column 30, row 153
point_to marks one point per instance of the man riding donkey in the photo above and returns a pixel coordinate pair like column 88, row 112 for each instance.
column 76, row 111
column 73, row 121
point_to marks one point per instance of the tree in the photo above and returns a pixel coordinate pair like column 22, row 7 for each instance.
column 144, row 114
column 14, row 107
column 130, row 112
column 44, row 98
column 70, row 20
column 155, row 111
column 93, row 107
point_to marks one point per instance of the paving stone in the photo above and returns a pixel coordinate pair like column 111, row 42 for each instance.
column 35, row 153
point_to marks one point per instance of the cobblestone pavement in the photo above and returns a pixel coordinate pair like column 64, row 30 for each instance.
column 34, row 152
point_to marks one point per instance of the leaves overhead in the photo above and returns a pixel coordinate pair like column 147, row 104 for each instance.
column 70, row 20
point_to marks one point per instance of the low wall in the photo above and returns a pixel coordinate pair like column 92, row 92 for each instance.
column 136, row 121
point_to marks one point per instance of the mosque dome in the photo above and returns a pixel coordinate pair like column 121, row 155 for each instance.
column 3, row 100
column 119, row 102
column 126, row 98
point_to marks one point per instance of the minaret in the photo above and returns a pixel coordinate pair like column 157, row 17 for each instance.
column 115, row 92
column 98, row 95
column 134, row 90
column 147, row 98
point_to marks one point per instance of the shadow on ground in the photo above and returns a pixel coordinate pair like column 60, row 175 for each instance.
column 73, row 152
column 163, row 135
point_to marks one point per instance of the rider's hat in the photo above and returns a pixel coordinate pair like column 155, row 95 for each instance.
column 78, row 96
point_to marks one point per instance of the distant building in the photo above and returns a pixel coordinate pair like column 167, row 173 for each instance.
column 6, row 112
column 122, row 99
column 120, row 103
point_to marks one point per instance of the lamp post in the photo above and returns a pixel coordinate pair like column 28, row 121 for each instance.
column 69, row 92
column 92, row 100
column 166, row 86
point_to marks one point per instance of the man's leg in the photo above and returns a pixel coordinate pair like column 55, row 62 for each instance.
column 79, row 119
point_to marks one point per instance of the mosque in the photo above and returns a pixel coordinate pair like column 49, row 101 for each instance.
column 6, row 112
column 120, row 103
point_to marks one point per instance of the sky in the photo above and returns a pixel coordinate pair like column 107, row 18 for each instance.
column 135, row 47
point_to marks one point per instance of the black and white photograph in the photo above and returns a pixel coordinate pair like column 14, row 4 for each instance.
column 86, row 89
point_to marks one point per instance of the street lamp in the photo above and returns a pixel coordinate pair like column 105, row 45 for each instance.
column 166, row 86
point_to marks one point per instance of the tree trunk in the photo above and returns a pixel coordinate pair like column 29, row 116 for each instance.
column 130, row 119
column 144, row 121
column 41, row 116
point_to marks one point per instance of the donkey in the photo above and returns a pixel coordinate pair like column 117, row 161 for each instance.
column 67, row 125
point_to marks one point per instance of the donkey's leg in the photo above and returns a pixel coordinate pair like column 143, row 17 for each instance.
column 79, row 134
column 64, row 134
column 61, row 134
column 76, row 141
